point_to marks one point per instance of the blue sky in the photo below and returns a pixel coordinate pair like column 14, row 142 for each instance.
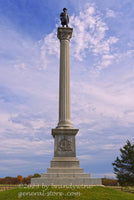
column 102, row 82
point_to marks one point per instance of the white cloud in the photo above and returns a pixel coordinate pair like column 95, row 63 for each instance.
column 110, row 13
column 25, row 146
column 51, row 44
column 21, row 52
column 89, row 33
column 6, row 124
column 38, row 123
column 100, row 102
column 90, row 38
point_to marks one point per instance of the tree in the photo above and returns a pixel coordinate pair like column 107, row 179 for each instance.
column 124, row 166
column 20, row 178
column 109, row 182
column 27, row 180
column 36, row 175
column 8, row 180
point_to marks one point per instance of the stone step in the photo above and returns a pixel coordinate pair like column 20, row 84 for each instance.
column 62, row 162
column 66, row 181
column 65, row 164
column 64, row 170
column 65, row 159
column 60, row 175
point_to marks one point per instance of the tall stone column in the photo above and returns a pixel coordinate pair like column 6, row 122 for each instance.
column 64, row 168
column 64, row 35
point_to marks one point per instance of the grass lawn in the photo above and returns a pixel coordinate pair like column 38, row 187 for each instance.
column 57, row 193
column 125, row 189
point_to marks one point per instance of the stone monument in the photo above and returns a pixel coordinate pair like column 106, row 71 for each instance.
column 65, row 168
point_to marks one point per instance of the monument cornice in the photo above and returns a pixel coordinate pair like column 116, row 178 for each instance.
column 64, row 131
column 64, row 33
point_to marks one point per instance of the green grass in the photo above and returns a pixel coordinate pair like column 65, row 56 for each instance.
column 57, row 193
column 129, row 189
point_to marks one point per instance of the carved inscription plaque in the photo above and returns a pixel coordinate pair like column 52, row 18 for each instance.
column 65, row 144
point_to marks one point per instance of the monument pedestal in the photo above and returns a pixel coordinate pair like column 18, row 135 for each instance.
column 65, row 168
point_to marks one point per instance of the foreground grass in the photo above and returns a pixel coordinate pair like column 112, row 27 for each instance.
column 124, row 189
column 56, row 193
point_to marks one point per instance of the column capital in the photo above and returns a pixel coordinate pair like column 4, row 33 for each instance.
column 64, row 33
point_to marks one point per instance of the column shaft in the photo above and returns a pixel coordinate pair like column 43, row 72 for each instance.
column 64, row 34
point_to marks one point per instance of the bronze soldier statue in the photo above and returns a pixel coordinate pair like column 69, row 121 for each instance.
column 64, row 17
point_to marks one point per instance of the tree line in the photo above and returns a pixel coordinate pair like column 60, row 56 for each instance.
column 27, row 180
column 18, row 180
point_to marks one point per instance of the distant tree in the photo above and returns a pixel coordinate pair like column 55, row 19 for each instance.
column 124, row 166
column 24, row 180
column 109, row 182
column 27, row 180
column 8, row 180
column 20, row 178
column 2, row 181
column 8, row 177
column 11, row 180
column 36, row 175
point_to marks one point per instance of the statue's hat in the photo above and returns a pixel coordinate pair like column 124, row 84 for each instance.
column 64, row 9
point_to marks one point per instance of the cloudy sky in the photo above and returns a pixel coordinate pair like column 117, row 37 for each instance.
column 102, row 82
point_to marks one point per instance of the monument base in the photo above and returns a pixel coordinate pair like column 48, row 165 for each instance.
column 69, row 173
column 65, row 168
column 61, row 180
column 66, row 179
